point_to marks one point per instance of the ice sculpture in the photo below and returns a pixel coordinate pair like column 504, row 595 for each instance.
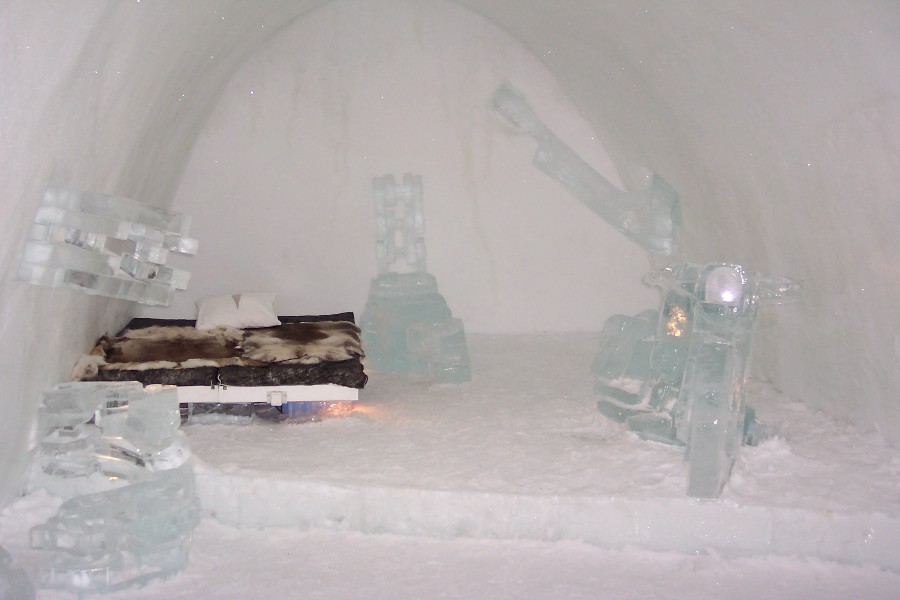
column 650, row 217
column 14, row 582
column 678, row 375
column 406, row 325
column 399, row 224
column 107, row 246
column 120, row 443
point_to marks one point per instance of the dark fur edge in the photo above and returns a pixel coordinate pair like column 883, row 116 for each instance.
column 144, row 322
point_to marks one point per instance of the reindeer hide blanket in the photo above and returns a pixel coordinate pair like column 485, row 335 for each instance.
column 296, row 353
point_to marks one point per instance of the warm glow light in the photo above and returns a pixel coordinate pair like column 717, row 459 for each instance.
column 365, row 409
column 312, row 410
column 341, row 408
column 677, row 319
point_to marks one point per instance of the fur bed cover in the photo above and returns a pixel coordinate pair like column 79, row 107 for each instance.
column 301, row 351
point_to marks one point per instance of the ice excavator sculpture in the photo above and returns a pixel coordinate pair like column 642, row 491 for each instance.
column 106, row 246
column 114, row 449
column 649, row 217
column 406, row 325
column 678, row 376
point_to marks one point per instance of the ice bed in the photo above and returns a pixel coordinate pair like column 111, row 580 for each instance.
column 303, row 368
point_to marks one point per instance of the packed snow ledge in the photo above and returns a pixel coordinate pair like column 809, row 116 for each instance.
column 521, row 452
column 467, row 485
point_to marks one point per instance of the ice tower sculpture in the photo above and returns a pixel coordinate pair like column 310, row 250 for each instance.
column 649, row 217
column 407, row 326
column 678, row 376
column 115, row 450
column 107, row 246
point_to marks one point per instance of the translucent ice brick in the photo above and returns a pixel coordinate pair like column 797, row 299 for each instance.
column 397, row 301
column 439, row 350
column 182, row 245
column 153, row 419
column 69, row 404
column 98, row 285
column 141, row 250
column 70, row 257
column 106, row 245
column 67, row 430
column 399, row 224
column 649, row 217
column 148, row 272
column 115, row 207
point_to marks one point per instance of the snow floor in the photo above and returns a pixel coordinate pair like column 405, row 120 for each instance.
column 514, row 486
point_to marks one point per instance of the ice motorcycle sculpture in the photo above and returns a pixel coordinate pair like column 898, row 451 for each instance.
column 678, row 376
column 114, row 449
column 406, row 325
column 106, row 246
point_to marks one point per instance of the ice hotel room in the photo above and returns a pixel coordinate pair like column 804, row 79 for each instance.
column 548, row 232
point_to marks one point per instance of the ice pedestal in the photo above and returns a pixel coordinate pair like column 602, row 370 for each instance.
column 649, row 217
column 116, row 451
column 408, row 328
column 678, row 376
column 107, row 246
column 406, row 325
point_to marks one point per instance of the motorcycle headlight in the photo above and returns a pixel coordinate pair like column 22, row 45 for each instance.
column 725, row 286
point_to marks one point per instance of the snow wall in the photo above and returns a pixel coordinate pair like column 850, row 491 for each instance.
column 778, row 123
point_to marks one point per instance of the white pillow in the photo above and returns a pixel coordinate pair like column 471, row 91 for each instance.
column 240, row 311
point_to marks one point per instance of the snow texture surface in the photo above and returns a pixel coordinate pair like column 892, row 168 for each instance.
column 485, row 481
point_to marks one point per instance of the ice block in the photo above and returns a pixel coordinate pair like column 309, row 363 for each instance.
column 115, row 450
column 406, row 325
column 106, row 245
column 399, row 224
column 14, row 581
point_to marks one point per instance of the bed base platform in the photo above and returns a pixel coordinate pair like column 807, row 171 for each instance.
column 292, row 402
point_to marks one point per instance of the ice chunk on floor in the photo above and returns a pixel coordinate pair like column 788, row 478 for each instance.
column 119, row 538
column 115, row 450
